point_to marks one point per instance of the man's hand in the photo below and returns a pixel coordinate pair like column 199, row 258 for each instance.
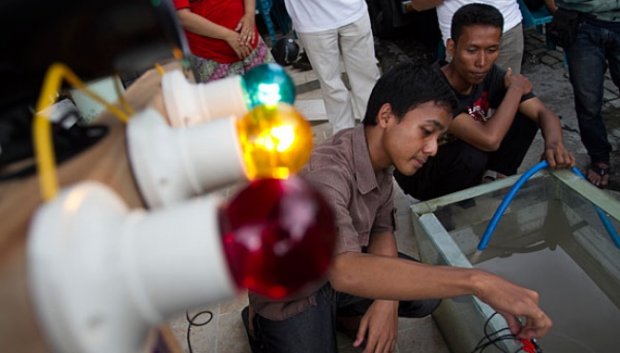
column 515, row 302
column 558, row 156
column 555, row 152
column 246, row 31
column 380, row 325
column 234, row 41
column 519, row 82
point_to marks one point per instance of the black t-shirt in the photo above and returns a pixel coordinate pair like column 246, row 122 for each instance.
column 485, row 97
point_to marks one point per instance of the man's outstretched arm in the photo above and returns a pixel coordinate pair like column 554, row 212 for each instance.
column 383, row 277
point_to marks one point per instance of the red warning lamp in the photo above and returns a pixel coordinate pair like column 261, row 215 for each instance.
column 278, row 236
column 101, row 275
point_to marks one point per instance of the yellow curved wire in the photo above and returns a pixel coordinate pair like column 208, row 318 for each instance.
column 74, row 81
column 43, row 145
column 160, row 69
column 121, row 98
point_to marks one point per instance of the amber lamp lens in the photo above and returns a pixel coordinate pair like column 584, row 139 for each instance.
column 276, row 141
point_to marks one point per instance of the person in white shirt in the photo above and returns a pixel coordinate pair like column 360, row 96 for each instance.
column 331, row 31
column 511, row 47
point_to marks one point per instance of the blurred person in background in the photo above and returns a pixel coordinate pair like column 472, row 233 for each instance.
column 595, row 48
column 222, row 36
column 331, row 31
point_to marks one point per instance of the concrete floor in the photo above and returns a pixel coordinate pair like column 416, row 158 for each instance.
column 545, row 69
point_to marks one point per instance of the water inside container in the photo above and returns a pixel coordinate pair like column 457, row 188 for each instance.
column 550, row 240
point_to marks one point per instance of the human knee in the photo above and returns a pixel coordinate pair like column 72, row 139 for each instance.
column 472, row 158
column 418, row 308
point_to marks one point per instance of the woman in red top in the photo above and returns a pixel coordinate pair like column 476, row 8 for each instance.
column 222, row 37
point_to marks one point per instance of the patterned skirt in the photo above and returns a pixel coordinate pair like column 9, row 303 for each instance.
column 206, row 70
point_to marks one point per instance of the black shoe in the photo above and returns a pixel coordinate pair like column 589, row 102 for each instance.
column 255, row 344
column 302, row 63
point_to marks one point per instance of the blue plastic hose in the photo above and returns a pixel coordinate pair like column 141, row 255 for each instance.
column 486, row 237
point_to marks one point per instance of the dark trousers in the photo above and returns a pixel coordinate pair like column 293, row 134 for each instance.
column 314, row 330
column 459, row 165
column 596, row 47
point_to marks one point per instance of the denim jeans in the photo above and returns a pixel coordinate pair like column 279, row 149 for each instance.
column 596, row 47
column 314, row 330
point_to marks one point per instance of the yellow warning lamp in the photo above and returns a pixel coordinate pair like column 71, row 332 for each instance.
column 275, row 140
column 173, row 164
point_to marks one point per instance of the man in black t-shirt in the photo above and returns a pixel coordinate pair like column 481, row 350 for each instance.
column 497, row 118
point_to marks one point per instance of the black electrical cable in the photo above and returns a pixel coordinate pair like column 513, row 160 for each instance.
column 191, row 322
column 487, row 339
column 499, row 338
column 494, row 342
column 493, row 338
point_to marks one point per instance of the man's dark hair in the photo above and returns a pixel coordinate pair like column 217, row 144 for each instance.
column 475, row 14
column 405, row 87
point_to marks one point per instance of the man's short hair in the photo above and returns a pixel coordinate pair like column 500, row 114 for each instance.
column 475, row 14
column 405, row 87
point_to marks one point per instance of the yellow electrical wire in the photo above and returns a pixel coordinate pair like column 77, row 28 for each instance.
column 160, row 69
column 121, row 98
column 43, row 146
